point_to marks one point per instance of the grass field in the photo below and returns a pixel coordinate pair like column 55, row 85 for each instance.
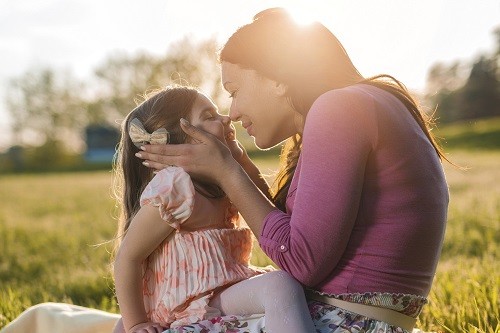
column 54, row 229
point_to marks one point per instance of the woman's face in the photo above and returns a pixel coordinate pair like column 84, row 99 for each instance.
column 205, row 115
column 259, row 104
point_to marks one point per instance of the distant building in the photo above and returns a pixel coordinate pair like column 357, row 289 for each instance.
column 101, row 143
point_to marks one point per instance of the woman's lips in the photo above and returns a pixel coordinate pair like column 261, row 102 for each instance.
column 248, row 128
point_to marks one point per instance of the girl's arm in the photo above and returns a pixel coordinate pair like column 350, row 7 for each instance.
column 146, row 232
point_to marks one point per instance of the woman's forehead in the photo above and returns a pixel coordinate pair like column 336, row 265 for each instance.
column 234, row 74
column 229, row 73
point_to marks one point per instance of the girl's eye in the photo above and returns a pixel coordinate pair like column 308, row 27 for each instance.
column 231, row 95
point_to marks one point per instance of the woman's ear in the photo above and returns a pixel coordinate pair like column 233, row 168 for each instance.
column 281, row 89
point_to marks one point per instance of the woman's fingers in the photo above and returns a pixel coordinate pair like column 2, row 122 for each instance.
column 166, row 150
column 202, row 158
column 198, row 135
column 160, row 156
column 155, row 165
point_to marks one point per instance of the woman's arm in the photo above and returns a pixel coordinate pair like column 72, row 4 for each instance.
column 145, row 234
column 255, row 175
column 240, row 154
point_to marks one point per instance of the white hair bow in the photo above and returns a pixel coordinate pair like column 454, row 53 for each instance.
column 140, row 136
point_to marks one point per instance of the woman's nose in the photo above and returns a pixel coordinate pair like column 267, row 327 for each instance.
column 233, row 114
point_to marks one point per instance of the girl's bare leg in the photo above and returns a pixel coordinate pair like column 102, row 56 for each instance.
column 276, row 294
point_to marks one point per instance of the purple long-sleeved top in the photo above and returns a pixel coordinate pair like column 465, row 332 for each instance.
column 367, row 206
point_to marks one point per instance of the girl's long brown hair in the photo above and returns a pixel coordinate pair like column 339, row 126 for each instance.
column 310, row 60
column 161, row 109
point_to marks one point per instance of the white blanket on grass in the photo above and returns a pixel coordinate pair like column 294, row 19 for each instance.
column 64, row 318
column 60, row 317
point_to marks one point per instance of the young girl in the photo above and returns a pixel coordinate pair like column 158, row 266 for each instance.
column 183, row 255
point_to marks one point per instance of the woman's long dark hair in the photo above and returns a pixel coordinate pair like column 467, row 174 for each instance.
column 310, row 60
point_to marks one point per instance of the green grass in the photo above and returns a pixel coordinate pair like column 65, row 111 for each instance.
column 464, row 297
column 472, row 134
column 50, row 225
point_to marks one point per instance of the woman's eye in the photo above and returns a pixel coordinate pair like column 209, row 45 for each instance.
column 231, row 95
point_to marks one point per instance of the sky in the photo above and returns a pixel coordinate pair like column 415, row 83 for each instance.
column 401, row 38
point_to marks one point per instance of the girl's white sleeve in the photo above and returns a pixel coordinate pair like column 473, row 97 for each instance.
column 172, row 191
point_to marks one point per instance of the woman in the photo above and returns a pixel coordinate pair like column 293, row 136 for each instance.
column 359, row 213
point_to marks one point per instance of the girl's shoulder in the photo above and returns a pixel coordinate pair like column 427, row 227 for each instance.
column 170, row 179
column 172, row 190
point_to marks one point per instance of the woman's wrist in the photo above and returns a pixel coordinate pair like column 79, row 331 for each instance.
column 232, row 168
column 250, row 199
column 255, row 175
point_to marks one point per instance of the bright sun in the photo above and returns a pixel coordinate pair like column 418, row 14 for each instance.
column 301, row 13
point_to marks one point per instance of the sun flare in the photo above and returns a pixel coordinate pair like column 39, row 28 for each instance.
column 302, row 14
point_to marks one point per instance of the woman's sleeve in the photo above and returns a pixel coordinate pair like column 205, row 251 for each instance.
column 172, row 191
column 338, row 136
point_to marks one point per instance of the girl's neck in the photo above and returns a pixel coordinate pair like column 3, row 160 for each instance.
column 209, row 190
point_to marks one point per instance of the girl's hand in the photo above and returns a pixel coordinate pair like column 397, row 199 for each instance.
column 207, row 160
column 147, row 327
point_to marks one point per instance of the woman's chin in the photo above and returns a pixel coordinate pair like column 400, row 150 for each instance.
column 263, row 144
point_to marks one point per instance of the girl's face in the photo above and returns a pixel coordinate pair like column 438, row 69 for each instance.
column 205, row 115
column 260, row 104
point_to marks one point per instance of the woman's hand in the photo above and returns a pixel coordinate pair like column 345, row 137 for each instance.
column 208, row 159
column 147, row 327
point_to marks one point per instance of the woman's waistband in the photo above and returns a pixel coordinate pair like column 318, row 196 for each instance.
column 375, row 312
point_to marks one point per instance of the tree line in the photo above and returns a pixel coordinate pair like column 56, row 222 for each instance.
column 465, row 91
column 50, row 110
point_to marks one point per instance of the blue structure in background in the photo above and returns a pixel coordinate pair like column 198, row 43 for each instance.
column 101, row 143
